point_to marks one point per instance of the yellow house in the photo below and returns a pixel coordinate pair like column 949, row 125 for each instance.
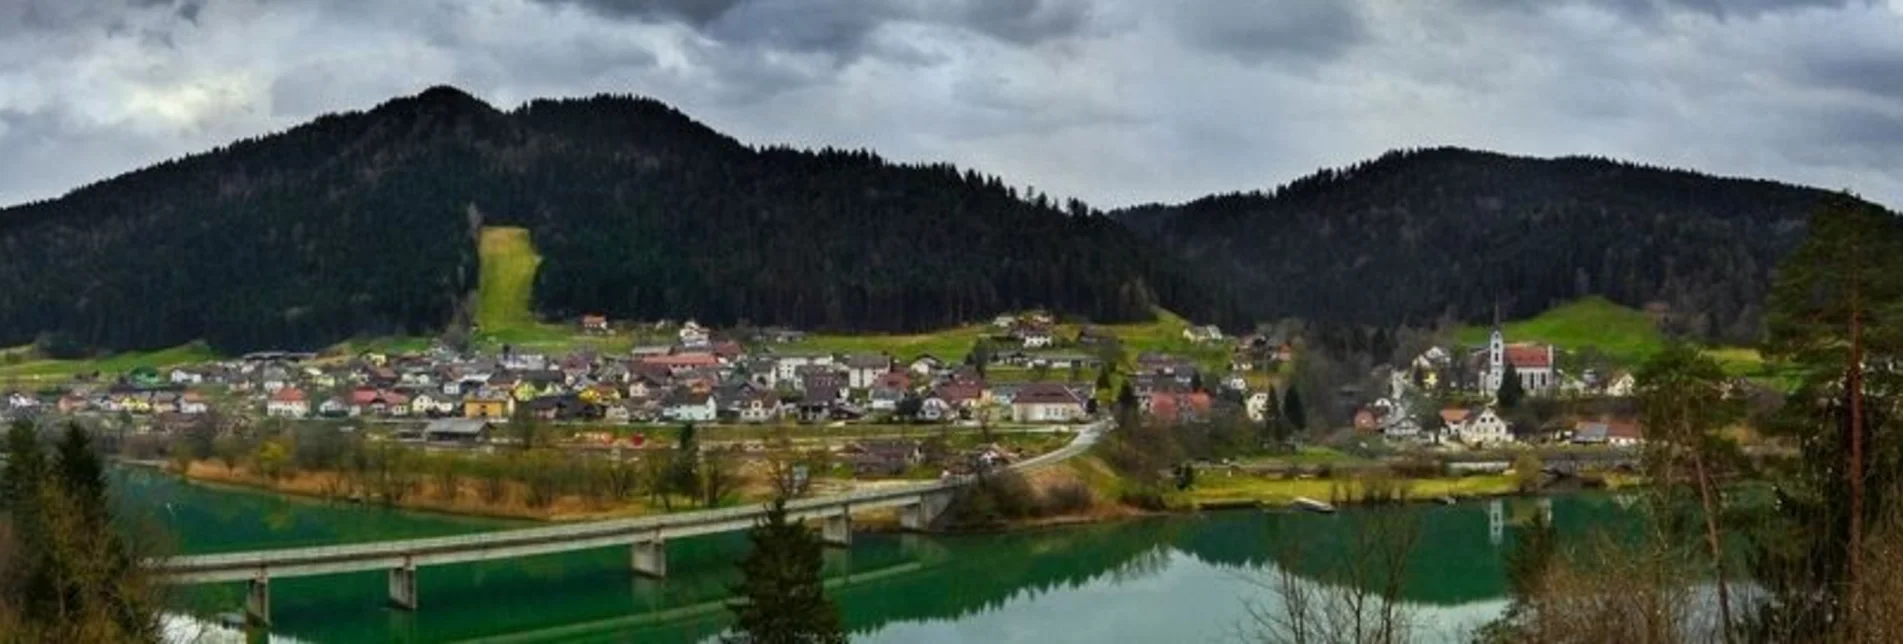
column 488, row 407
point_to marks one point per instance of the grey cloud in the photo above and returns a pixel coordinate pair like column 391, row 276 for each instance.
column 1256, row 32
column 842, row 27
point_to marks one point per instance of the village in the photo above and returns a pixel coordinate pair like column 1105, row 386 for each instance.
column 1026, row 371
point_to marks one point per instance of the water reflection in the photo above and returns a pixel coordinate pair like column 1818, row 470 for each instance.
column 1175, row 578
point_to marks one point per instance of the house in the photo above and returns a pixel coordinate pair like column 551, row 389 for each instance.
column 1202, row 334
column 935, row 409
column 1034, row 336
column 595, row 324
column 287, row 402
column 1617, row 433
column 1256, row 406
column 863, row 369
column 458, row 430
column 889, row 389
column 1176, row 408
column 693, row 335
column 817, row 404
column 680, row 362
column 687, row 406
column 1621, row 386
column 333, row 408
column 817, row 377
column 186, row 377
column 1484, row 428
column 786, row 368
column 488, row 404
column 757, row 406
column 1045, row 402
column 883, row 457
column 193, row 403
column 925, row 365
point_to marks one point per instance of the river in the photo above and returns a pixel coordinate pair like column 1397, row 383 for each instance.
column 1177, row 579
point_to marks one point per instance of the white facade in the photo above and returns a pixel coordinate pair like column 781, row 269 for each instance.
column 1484, row 428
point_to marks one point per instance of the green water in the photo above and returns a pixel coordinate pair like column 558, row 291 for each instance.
column 1173, row 579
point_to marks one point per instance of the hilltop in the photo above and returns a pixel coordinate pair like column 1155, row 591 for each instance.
column 1420, row 237
column 368, row 224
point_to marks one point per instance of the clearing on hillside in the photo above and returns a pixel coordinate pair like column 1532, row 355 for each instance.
column 1624, row 334
column 509, row 261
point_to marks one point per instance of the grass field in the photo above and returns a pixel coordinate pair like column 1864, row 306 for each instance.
column 949, row 345
column 1625, row 335
column 40, row 369
column 505, row 289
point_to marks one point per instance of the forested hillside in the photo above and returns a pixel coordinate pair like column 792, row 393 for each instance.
column 366, row 223
column 1416, row 236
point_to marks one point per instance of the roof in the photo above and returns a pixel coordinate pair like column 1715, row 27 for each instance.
column 684, row 360
column 1045, row 394
column 1526, row 356
column 1454, row 415
column 288, row 394
column 458, row 426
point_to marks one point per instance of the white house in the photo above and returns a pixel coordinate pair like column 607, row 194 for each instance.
column 1045, row 402
column 1484, row 428
column 926, row 365
column 1621, row 386
column 692, row 335
column 288, row 402
column 183, row 377
column 864, row 370
column 691, row 407
column 786, row 369
column 1256, row 406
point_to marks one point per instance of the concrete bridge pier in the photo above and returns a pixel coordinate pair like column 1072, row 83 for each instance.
column 836, row 530
column 649, row 558
column 918, row 517
column 403, row 586
column 257, row 600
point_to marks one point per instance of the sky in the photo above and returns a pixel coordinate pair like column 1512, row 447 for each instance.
column 1116, row 102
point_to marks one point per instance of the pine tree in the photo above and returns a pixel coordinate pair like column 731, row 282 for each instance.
column 1292, row 409
column 1275, row 430
column 1511, row 392
column 780, row 598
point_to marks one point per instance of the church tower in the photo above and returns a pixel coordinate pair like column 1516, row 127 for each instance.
column 1496, row 353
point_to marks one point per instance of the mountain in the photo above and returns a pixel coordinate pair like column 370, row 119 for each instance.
column 366, row 223
column 1447, row 234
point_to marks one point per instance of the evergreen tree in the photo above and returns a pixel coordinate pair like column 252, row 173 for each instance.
column 685, row 476
column 780, row 598
column 1510, row 392
column 1196, row 382
column 1292, row 409
column 1275, row 429
column 1837, row 298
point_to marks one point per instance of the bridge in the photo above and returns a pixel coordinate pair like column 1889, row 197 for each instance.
column 646, row 537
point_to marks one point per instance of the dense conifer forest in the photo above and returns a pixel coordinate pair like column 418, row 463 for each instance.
column 1415, row 237
column 365, row 224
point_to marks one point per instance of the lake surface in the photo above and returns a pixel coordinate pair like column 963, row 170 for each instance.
column 1176, row 579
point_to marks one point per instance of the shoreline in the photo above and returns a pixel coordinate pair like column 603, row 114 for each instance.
column 1101, row 512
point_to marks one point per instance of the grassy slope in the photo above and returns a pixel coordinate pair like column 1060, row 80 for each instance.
column 40, row 369
column 504, row 291
column 946, row 344
column 1626, row 335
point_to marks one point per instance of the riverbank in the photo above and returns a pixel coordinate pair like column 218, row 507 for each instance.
column 1086, row 475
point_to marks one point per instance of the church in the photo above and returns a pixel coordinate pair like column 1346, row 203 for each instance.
column 1532, row 362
